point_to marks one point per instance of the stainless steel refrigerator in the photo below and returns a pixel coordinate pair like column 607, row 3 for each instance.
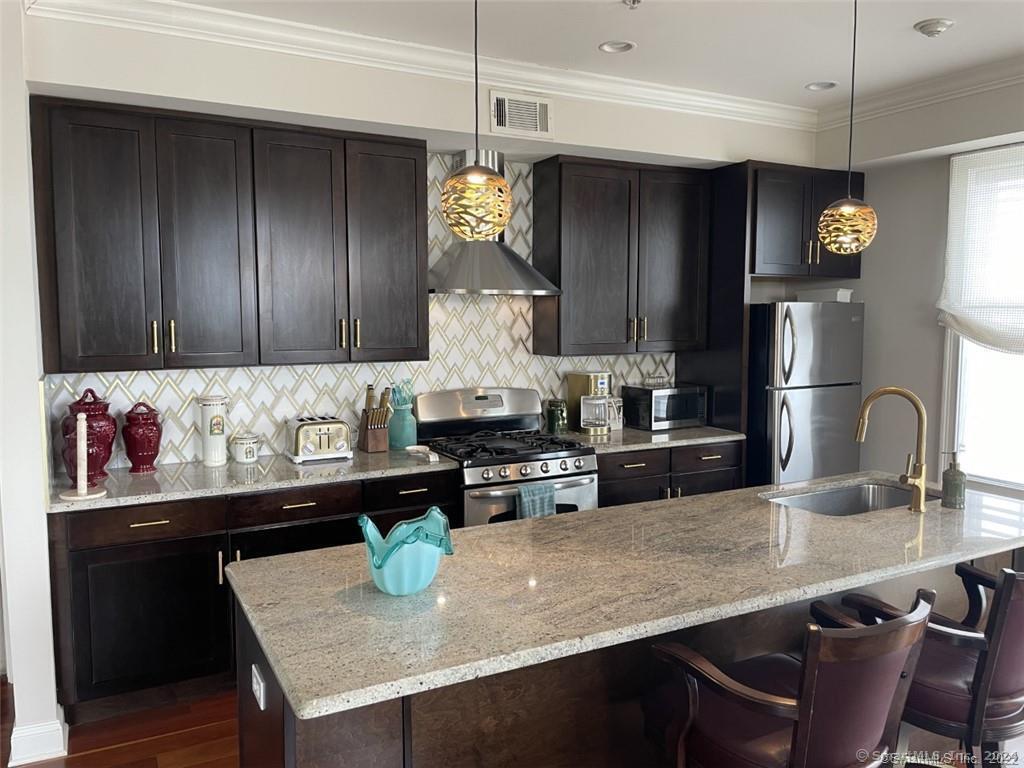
column 804, row 390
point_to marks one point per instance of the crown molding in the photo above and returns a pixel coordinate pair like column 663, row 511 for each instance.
column 988, row 77
column 180, row 19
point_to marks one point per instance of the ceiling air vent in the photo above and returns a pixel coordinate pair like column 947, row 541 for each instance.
column 520, row 114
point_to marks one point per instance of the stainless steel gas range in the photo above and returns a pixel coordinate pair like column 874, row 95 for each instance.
column 494, row 433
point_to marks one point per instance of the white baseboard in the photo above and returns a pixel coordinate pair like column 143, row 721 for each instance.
column 30, row 743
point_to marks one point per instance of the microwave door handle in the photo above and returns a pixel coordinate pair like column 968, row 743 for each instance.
column 508, row 493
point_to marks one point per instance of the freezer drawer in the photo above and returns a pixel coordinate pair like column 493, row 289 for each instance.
column 815, row 343
column 811, row 432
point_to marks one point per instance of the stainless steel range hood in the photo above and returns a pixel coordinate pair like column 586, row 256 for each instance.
column 486, row 266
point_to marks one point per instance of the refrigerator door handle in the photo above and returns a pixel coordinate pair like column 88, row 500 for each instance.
column 787, row 368
column 788, row 411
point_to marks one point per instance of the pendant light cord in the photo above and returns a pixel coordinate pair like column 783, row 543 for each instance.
column 853, row 79
column 476, row 78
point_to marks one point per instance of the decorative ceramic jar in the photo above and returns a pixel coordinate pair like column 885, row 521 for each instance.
column 213, row 411
column 101, row 428
column 245, row 448
column 402, row 428
column 141, row 433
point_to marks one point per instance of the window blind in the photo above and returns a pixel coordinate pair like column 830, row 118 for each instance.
column 983, row 290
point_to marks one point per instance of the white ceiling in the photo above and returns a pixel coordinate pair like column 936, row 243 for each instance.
column 762, row 49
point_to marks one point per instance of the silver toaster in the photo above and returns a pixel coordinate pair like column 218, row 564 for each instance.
column 316, row 438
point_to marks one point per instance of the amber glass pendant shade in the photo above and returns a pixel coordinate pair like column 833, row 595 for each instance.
column 847, row 226
column 476, row 202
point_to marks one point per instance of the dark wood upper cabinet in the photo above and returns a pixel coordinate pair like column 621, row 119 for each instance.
column 387, row 251
column 207, row 248
column 788, row 201
column 672, row 296
column 300, row 236
column 627, row 245
column 105, row 256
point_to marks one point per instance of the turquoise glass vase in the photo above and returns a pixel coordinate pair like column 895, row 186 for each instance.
column 406, row 561
column 402, row 428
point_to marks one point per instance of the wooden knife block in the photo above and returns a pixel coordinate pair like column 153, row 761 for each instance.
column 371, row 440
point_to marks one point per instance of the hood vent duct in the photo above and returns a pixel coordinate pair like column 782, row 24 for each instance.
column 486, row 266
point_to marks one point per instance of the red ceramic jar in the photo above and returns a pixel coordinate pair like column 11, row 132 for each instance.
column 141, row 434
column 100, row 431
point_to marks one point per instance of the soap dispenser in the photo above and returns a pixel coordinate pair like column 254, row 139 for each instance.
column 954, row 483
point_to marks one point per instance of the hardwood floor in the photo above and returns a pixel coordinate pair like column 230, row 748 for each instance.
column 200, row 734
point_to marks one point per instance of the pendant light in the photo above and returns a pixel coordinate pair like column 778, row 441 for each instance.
column 476, row 201
column 849, row 225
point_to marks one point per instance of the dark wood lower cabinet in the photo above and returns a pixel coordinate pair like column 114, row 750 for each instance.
column 632, row 477
column 693, row 483
column 614, row 493
column 146, row 614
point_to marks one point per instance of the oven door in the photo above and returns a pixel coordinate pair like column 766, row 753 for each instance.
column 497, row 504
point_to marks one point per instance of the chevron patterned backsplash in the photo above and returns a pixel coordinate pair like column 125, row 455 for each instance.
column 474, row 341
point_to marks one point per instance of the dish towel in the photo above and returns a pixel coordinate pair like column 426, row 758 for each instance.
column 535, row 500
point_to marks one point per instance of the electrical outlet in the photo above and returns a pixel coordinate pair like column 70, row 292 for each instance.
column 259, row 688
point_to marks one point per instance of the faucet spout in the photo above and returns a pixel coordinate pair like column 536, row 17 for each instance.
column 916, row 469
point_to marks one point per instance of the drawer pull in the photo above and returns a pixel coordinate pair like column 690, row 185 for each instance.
column 149, row 523
column 299, row 506
column 408, row 491
column 220, row 568
column 638, row 465
column 711, row 457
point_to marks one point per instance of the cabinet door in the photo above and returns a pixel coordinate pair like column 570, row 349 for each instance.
column 712, row 481
column 300, row 238
column 148, row 614
column 295, row 537
column 672, row 292
column 106, row 242
column 827, row 187
column 387, row 250
column 599, row 259
column 614, row 493
column 208, row 257
column 781, row 238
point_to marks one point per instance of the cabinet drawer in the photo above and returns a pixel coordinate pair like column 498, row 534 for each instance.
column 619, row 466
column 616, row 492
column 701, row 458
column 298, row 504
column 411, row 490
column 150, row 522
column 705, row 482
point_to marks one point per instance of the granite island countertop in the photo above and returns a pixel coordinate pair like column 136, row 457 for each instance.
column 521, row 593
column 627, row 439
column 178, row 482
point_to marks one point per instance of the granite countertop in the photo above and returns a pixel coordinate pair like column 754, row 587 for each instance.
column 626, row 439
column 176, row 482
column 521, row 593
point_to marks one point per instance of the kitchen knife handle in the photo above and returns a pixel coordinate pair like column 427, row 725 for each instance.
column 359, row 335
column 155, row 329
column 343, row 333
column 174, row 336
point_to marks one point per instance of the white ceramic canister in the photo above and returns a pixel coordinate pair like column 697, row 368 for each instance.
column 213, row 411
column 245, row 448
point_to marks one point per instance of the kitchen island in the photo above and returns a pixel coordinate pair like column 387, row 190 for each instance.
column 531, row 641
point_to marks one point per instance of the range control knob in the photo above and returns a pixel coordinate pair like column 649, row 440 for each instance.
column 578, row 463
column 308, row 448
column 525, row 470
column 545, row 468
column 564, row 465
column 487, row 474
column 504, row 472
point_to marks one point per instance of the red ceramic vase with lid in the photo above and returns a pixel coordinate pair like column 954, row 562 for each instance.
column 141, row 433
column 100, row 431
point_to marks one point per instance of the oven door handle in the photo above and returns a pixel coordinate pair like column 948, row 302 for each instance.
column 577, row 483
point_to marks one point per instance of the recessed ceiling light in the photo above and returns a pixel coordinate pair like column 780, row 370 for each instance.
column 933, row 27
column 821, row 85
column 617, row 46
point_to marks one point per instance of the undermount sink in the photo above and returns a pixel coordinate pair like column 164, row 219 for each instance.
column 851, row 500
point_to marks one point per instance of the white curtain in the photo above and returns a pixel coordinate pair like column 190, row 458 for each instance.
column 983, row 291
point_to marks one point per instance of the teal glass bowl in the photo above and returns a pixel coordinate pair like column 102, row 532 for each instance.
column 406, row 561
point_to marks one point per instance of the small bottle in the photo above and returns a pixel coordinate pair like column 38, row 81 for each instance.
column 954, row 483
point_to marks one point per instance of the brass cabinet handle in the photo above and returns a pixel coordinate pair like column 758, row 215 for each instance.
column 817, row 253
column 343, row 333
column 149, row 523
column 238, row 555
column 711, row 457
column 631, row 325
column 174, row 337
column 220, row 568
column 412, row 490
column 643, row 326
column 634, row 466
column 299, row 506
column 155, row 329
column 359, row 335
column 679, row 493
column 810, row 248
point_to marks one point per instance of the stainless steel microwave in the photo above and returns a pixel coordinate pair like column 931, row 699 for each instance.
column 653, row 408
